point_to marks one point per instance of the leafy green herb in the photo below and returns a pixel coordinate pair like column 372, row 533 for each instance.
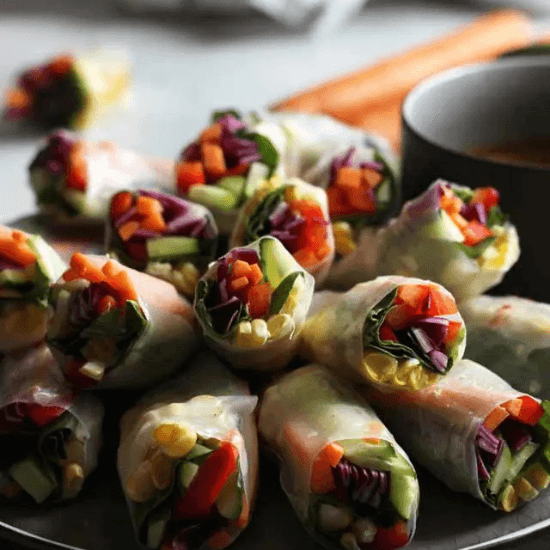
column 53, row 437
column 270, row 155
column 281, row 293
column 477, row 250
column 220, row 114
column 496, row 217
column 256, row 225
column 462, row 192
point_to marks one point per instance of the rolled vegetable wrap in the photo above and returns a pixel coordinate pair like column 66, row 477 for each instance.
column 69, row 91
column 28, row 265
column 294, row 212
column 252, row 303
column 75, row 179
column 49, row 437
column 116, row 327
column 395, row 332
column 451, row 234
column 475, row 433
column 188, row 460
column 348, row 480
column 511, row 336
column 225, row 165
column 163, row 235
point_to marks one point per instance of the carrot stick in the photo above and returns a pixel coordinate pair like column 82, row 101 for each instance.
column 495, row 418
column 484, row 39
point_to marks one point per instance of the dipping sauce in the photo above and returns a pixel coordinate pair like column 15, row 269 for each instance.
column 533, row 151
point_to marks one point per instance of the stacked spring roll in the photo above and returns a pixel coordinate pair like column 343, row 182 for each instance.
column 475, row 433
column 225, row 165
column 118, row 327
column 294, row 212
column 69, row 91
column 28, row 265
column 163, row 235
column 188, row 460
column 396, row 332
column 49, row 437
column 348, row 480
column 75, row 179
column 511, row 336
column 450, row 234
column 252, row 303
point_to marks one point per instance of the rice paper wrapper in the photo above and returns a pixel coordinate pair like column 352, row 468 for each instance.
column 322, row 410
column 510, row 335
column 209, row 399
column 408, row 246
column 333, row 332
column 438, row 425
column 169, row 338
column 276, row 353
column 33, row 377
column 321, row 269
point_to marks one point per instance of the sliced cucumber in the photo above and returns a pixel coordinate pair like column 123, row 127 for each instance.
column 230, row 500
column 13, row 277
column 273, row 255
column 235, row 185
column 501, row 471
column 198, row 451
column 186, row 472
column 171, row 247
column 49, row 262
column 444, row 229
column 257, row 173
column 33, row 479
column 156, row 527
column 403, row 493
column 520, row 458
column 213, row 196
column 379, row 456
column 383, row 191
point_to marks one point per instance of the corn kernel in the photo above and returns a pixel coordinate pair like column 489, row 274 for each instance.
column 525, row 490
column 538, row 477
column 509, row 500
column 92, row 370
column 176, row 440
column 73, row 478
column 280, row 325
column 191, row 273
column 380, row 364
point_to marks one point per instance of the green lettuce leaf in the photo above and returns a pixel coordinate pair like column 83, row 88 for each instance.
column 476, row 251
column 280, row 295
column 255, row 226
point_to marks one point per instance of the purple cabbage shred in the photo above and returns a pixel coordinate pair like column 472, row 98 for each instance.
column 515, row 434
column 361, row 485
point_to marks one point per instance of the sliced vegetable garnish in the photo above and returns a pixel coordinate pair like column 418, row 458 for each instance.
column 412, row 322
column 223, row 155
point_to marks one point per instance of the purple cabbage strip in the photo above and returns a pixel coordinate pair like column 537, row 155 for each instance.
column 362, row 485
column 246, row 255
column 515, row 434
column 280, row 214
column 193, row 150
column 231, row 124
column 146, row 234
column 489, row 443
column 126, row 217
column 373, row 165
column 435, row 328
column 54, row 156
column 340, row 161
column 439, row 359
column 224, row 314
column 474, row 212
column 428, row 202
column 482, row 471
column 169, row 202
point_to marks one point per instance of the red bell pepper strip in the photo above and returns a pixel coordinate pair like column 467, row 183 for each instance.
column 42, row 415
column 389, row 539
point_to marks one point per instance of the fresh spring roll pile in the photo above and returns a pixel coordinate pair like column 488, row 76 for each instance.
column 74, row 178
column 395, row 332
column 28, row 265
column 296, row 213
column 49, row 437
column 118, row 327
column 475, row 433
column 224, row 166
column 69, row 91
column 165, row 236
column 450, row 234
column 252, row 304
column 510, row 335
column 348, row 480
column 188, row 460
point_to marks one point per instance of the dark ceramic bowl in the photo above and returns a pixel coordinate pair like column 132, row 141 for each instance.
column 454, row 111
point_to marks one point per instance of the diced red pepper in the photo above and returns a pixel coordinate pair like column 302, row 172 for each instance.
column 305, row 257
column 452, row 332
column 389, row 539
column 362, row 199
column 414, row 296
column 488, row 196
column 475, row 233
column 399, row 316
column 258, row 298
column 206, row 486
column 386, row 333
column 440, row 303
column 106, row 304
column 42, row 415
column 237, row 284
column 189, row 173
column 75, row 377
column 531, row 411
column 120, row 204
column 136, row 250
column 237, row 170
column 337, row 202
column 76, row 177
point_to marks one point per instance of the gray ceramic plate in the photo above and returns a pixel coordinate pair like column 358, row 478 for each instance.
column 97, row 519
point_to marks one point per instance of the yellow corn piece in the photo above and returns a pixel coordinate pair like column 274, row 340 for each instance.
column 293, row 297
column 495, row 256
column 162, row 470
column 378, row 365
column 415, row 378
column 538, row 477
column 343, row 238
column 92, row 370
column 191, row 273
column 291, row 193
column 280, row 325
column 509, row 500
column 73, row 479
column 525, row 490
column 139, row 486
column 176, row 440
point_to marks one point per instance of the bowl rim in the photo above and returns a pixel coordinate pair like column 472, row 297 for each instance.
column 429, row 83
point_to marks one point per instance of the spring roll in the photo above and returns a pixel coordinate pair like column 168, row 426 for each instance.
column 188, row 460
column 252, row 304
column 294, row 212
column 222, row 168
column 70, row 91
column 346, row 477
column 510, row 335
column 395, row 332
column 74, row 179
column 114, row 327
column 28, row 265
column 165, row 236
column 451, row 234
column 50, row 437
column 475, row 433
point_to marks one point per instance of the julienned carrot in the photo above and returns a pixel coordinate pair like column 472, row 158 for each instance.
column 13, row 247
column 347, row 97
column 322, row 478
column 213, row 159
column 495, row 418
